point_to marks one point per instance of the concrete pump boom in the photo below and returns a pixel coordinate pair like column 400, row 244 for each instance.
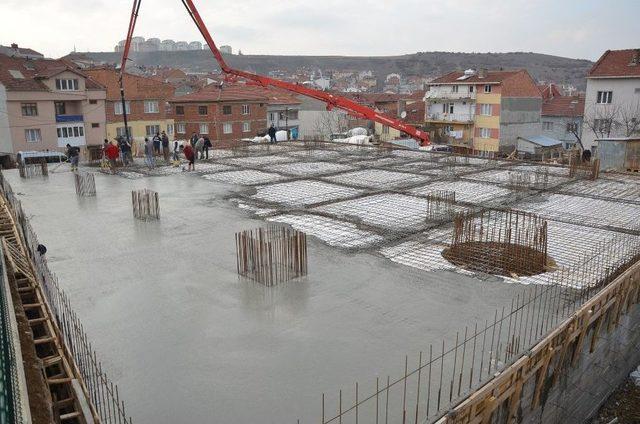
column 332, row 101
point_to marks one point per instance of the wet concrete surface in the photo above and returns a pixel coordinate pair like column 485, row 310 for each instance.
column 187, row 341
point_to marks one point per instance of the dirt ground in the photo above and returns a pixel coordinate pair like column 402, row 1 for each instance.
column 622, row 407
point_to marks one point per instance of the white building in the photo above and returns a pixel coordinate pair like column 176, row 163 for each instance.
column 182, row 45
column 168, row 45
column 612, row 103
column 226, row 49
column 195, row 45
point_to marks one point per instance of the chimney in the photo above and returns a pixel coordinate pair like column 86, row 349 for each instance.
column 635, row 59
column 482, row 73
column 14, row 46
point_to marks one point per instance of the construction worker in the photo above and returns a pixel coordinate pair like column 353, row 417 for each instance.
column 165, row 147
column 73, row 153
column 272, row 133
column 112, row 152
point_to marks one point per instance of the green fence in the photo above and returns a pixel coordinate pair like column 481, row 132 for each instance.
column 14, row 404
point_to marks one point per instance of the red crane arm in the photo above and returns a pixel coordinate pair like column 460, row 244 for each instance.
column 332, row 101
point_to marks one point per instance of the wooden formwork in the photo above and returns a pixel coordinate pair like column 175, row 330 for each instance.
column 547, row 359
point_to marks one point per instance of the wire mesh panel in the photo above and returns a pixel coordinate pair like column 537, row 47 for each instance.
column 33, row 170
column 271, row 255
column 146, row 204
column 85, row 183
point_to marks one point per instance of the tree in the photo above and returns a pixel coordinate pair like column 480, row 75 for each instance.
column 610, row 120
column 330, row 122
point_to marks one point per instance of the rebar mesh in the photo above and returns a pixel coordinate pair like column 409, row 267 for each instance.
column 85, row 184
column 499, row 242
column 146, row 204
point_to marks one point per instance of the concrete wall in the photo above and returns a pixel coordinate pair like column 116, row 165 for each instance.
column 624, row 95
column 6, row 143
column 520, row 117
column 583, row 387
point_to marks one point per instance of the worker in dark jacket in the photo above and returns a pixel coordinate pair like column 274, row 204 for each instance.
column 73, row 153
column 165, row 147
column 207, row 145
column 272, row 133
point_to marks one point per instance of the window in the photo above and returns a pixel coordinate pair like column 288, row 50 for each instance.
column 151, row 106
column 485, row 132
column 170, row 129
column 180, row 128
column 61, row 108
column 152, row 130
column 454, row 89
column 226, row 110
column 117, row 107
column 487, row 88
column 70, row 132
column 447, row 108
column 179, row 110
column 67, row 84
column 572, row 126
column 471, row 89
column 203, row 110
column 227, row 128
column 204, row 128
column 245, row 109
column 293, row 114
column 121, row 133
column 29, row 109
column 385, row 129
column 604, row 97
column 486, row 109
column 93, row 102
column 246, row 126
column 95, row 125
column 447, row 129
column 272, row 116
column 547, row 126
column 32, row 135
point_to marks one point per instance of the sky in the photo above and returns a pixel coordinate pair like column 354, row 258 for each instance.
column 581, row 29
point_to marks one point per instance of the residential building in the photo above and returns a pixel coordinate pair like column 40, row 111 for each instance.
column 231, row 113
column 225, row 49
column 612, row 102
column 46, row 104
column 483, row 110
column 283, row 111
column 561, row 115
column 146, row 104
column 409, row 112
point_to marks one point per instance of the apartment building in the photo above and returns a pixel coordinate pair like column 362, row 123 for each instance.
column 146, row 104
column 283, row 111
column 231, row 113
column 612, row 102
column 46, row 104
column 483, row 110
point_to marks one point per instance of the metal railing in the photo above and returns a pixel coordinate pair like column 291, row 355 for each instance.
column 14, row 402
column 101, row 392
column 451, row 117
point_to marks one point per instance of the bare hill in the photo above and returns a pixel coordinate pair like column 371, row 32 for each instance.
column 542, row 67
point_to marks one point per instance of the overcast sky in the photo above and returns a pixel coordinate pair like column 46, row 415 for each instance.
column 573, row 28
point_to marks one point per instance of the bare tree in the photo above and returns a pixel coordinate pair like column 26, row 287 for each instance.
column 629, row 118
column 602, row 119
column 330, row 122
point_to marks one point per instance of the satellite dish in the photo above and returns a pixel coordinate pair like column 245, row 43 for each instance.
column 403, row 114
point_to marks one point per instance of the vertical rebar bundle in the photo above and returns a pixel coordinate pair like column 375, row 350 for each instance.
column 578, row 168
column 499, row 242
column 33, row 170
column 85, row 184
column 271, row 255
column 146, row 204
column 440, row 205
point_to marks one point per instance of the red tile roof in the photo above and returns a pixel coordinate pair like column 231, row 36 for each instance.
column 135, row 87
column 415, row 113
column 34, row 71
column 549, row 90
column 229, row 93
column 516, row 83
column 617, row 63
column 570, row 106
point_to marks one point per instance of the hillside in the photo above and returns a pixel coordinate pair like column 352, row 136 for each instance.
column 541, row 66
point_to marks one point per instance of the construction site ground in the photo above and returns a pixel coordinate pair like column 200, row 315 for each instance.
column 187, row 340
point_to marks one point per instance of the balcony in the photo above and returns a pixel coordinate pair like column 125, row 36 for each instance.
column 449, row 95
column 69, row 118
column 451, row 117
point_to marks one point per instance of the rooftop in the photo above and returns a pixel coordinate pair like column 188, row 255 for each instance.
column 517, row 83
column 135, row 87
column 567, row 106
column 617, row 63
